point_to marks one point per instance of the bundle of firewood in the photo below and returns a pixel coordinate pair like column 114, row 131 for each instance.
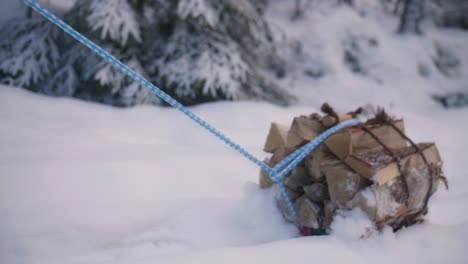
column 373, row 166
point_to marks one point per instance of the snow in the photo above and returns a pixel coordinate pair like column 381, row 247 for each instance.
column 87, row 183
column 369, row 195
column 389, row 61
column 115, row 20
column 196, row 9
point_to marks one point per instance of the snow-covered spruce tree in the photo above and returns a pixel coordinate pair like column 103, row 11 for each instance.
column 28, row 52
column 36, row 55
column 115, row 26
column 204, row 50
column 195, row 50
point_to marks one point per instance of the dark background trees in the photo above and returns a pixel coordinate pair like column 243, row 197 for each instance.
column 195, row 50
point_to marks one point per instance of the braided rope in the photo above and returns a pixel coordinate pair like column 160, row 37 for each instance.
column 297, row 156
column 290, row 162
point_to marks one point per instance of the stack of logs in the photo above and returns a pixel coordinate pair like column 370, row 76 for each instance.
column 372, row 166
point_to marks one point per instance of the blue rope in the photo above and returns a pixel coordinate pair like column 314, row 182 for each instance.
column 289, row 162
column 297, row 156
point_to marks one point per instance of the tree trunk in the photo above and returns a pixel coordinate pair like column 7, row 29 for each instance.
column 411, row 17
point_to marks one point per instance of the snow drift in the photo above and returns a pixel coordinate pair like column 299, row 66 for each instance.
column 86, row 183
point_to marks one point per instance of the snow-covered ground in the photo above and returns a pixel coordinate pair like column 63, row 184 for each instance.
column 386, row 68
column 86, row 183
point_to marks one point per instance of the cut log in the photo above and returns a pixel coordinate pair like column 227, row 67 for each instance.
column 366, row 201
column 297, row 178
column 265, row 181
column 308, row 213
column 384, row 203
column 355, row 140
column 312, row 163
column 276, row 137
column 420, row 178
column 302, row 130
column 281, row 203
column 280, row 154
column 381, row 167
column 391, row 200
column 343, row 183
column 417, row 179
column 317, row 192
column 329, row 210
column 328, row 120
